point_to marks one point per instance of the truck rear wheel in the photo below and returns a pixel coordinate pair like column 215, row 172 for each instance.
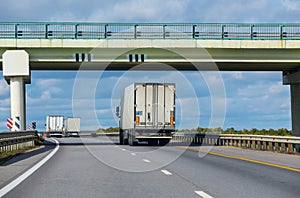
column 121, row 137
column 125, row 141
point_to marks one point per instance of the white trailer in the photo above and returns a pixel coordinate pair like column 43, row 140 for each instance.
column 147, row 113
column 55, row 125
column 72, row 126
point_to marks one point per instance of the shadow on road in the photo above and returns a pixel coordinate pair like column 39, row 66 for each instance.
column 22, row 156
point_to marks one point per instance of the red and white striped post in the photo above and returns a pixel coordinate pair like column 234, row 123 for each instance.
column 9, row 123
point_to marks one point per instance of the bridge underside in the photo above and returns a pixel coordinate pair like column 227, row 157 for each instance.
column 223, row 59
column 182, row 66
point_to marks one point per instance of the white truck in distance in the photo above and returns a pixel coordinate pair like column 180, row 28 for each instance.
column 72, row 126
column 147, row 113
column 55, row 125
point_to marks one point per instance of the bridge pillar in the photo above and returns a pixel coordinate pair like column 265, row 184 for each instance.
column 292, row 78
column 17, row 73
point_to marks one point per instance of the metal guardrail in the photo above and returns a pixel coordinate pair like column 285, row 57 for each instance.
column 10, row 141
column 284, row 144
column 222, row 31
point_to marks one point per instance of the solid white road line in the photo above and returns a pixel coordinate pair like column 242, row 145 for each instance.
column 166, row 172
column 203, row 194
column 132, row 153
column 145, row 160
column 124, row 150
column 25, row 175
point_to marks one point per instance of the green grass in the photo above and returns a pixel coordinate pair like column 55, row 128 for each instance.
column 9, row 154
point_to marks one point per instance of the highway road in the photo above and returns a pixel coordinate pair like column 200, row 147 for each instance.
column 99, row 167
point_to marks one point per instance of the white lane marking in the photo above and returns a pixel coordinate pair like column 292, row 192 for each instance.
column 25, row 175
column 133, row 154
column 145, row 160
column 166, row 172
column 203, row 194
column 124, row 150
column 116, row 146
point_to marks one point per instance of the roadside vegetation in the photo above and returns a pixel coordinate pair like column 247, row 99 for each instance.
column 8, row 154
column 108, row 130
column 253, row 131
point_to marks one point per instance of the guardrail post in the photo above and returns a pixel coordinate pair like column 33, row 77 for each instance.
column 281, row 32
column 277, row 147
column 223, row 27
column 239, row 141
column 257, row 145
column 242, row 143
column 264, row 145
column 251, row 31
column 16, row 31
column 251, row 144
column 105, row 31
column 46, row 31
column 76, row 31
column 135, row 31
column 194, row 31
column 270, row 146
column 283, row 147
column 290, row 148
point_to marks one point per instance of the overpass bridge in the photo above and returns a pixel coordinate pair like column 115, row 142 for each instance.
column 122, row 46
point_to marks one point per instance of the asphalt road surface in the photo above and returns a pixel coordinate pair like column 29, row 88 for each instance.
column 99, row 167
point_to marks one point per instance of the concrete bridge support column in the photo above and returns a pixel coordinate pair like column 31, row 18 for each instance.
column 295, row 104
column 292, row 78
column 17, row 73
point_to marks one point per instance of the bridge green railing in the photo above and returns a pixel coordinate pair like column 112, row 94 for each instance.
column 219, row 31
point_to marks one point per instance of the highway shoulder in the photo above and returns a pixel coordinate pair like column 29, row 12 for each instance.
column 17, row 165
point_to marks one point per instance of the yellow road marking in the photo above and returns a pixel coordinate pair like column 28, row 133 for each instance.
column 242, row 159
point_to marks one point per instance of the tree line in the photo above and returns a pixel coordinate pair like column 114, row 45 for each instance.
column 253, row 131
column 108, row 130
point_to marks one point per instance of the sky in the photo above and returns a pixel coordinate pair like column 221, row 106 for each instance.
column 252, row 99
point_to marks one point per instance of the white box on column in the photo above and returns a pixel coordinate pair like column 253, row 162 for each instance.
column 16, row 63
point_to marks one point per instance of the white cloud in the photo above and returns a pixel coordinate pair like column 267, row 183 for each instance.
column 5, row 102
column 4, row 88
column 291, row 4
column 140, row 10
column 3, row 126
column 48, row 82
column 277, row 88
column 237, row 75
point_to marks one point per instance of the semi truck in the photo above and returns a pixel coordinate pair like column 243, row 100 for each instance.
column 72, row 127
column 55, row 125
column 147, row 113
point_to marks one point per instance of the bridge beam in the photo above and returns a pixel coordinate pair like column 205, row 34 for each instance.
column 292, row 78
column 17, row 73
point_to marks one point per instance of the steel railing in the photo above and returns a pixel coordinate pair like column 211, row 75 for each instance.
column 285, row 144
column 224, row 31
column 10, row 141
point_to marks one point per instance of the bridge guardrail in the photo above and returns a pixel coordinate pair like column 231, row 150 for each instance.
column 11, row 141
column 284, row 144
column 221, row 31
